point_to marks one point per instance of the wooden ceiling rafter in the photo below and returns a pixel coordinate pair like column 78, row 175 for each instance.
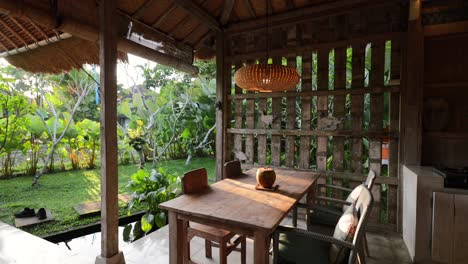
column 199, row 42
column 187, row 36
column 290, row 4
column 3, row 47
column 23, row 28
column 12, row 31
column 200, row 13
column 304, row 14
column 138, row 14
column 251, row 9
column 160, row 36
column 227, row 11
column 176, row 29
column 175, row 57
column 38, row 28
column 7, row 38
column 166, row 14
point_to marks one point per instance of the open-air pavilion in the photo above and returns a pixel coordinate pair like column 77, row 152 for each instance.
column 415, row 80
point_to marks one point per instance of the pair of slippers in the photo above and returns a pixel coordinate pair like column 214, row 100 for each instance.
column 28, row 212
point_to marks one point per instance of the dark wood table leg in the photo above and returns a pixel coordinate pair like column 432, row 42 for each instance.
column 310, row 200
column 176, row 239
column 261, row 247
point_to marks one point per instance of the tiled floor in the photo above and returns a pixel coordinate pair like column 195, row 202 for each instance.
column 385, row 248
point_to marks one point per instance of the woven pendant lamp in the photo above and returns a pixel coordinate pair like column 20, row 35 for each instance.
column 266, row 77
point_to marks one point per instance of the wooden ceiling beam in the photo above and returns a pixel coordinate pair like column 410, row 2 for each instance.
column 227, row 10
column 164, row 16
column 290, row 4
column 187, row 36
column 202, row 39
column 179, row 26
column 152, row 33
column 200, row 13
column 38, row 28
column 182, row 23
column 89, row 32
column 250, row 8
column 12, row 31
column 304, row 14
column 3, row 35
column 23, row 28
column 142, row 9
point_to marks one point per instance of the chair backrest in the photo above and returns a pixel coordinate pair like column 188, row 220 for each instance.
column 194, row 181
column 364, row 206
column 232, row 169
column 370, row 180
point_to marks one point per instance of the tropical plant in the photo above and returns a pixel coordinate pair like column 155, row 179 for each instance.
column 57, row 123
column 89, row 136
column 32, row 146
column 13, row 122
column 149, row 190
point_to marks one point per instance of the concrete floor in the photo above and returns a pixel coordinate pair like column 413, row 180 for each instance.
column 385, row 248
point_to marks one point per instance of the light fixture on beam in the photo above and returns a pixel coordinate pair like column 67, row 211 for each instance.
column 266, row 77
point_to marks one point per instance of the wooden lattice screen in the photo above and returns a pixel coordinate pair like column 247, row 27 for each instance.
column 344, row 113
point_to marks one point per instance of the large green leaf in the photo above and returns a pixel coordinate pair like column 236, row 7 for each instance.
column 36, row 125
column 124, row 109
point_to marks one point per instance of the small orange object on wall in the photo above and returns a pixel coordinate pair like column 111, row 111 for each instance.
column 385, row 150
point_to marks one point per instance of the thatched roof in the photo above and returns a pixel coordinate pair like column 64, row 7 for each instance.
column 58, row 57
column 182, row 27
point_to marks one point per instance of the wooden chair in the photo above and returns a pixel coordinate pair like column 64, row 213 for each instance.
column 232, row 169
column 194, row 182
column 327, row 215
column 293, row 245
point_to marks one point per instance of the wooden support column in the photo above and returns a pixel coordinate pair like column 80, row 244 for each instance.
column 411, row 108
column 110, row 253
column 322, row 107
column 339, row 112
column 222, row 72
column 276, row 111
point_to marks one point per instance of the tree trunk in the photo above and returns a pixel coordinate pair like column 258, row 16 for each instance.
column 44, row 168
column 142, row 159
column 189, row 159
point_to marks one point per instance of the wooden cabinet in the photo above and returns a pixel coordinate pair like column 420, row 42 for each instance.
column 449, row 228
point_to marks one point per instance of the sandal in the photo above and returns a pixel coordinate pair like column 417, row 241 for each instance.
column 27, row 212
column 41, row 214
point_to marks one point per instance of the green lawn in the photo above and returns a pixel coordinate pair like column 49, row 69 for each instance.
column 60, row 191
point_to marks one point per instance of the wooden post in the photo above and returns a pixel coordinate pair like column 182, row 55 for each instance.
column 221, row 105
column 411, row 108
column 357, row 106
column 339, row 112
column 290, row 145
column 322, row 107
column 376, row 79
column 262, row 139
column 110, row 253
column 276, row 111
column 304, row 154
column 411, row 96
column 238, row 117
column 395, row 71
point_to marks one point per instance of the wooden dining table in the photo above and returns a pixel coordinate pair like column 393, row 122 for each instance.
column 235, row 205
